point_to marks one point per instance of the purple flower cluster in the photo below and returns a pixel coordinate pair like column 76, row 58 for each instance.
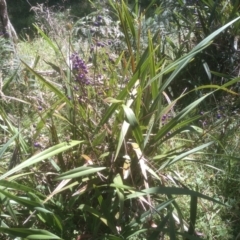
column 100, row 44
column 79, row 69
column 210, row 118
column 219, row 116
column 37, row 145
column 96, row 24
column 166, row 118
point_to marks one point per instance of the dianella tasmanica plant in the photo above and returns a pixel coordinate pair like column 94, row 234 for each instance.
column 107, row 134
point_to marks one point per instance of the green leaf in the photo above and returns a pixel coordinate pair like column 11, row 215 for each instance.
column 79, row 172
column 11, row 211
column 120, row 193
column 142, row 66
column 41, row 156
column 183, row 61
column 49, row 85
column 99, row 138
column 172, row 231
column 193, row 215
column 181, row 156
column 176, row 120
column 136, row 232
column 112, row 100
column 49, row 217
column 13, row 130
column 171, row 190
column 144, row 216
column 7, row 144
column 29, row 233
column 124, row 129
column 21, row 200
column 131, row 118
column 97, row 214
column 48, row 40
column 19, row 187
column 121, row 186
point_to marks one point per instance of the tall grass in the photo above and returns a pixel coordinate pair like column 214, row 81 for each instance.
column 95, row 142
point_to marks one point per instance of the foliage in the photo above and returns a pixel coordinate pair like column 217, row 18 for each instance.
column 7, row 61
column 98, row 142
column 23, row 16
column 194, row 22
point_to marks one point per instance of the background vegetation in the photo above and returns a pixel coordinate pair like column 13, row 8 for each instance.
column 120, row 120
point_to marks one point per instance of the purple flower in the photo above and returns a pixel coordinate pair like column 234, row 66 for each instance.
column 79, row 69
column 100, row 44
column 96, row 24
column 37, row 145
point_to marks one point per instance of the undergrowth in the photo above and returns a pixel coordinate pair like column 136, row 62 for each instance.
column 98, row 141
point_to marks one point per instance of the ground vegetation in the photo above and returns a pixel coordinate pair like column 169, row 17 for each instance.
column 121, row 123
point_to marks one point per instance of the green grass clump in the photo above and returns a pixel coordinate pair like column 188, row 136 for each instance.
column 98, row 144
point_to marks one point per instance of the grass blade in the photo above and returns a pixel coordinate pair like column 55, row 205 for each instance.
column 41, row 156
